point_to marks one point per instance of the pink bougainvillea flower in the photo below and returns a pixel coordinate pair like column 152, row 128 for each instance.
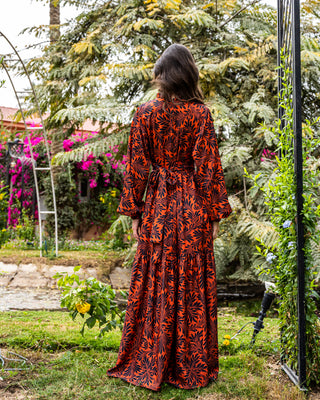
column 89, row 169
column 67, row 144
column 86, row 165
column 93, row 183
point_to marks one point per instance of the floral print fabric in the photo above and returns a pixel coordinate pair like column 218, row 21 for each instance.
column 170, row 330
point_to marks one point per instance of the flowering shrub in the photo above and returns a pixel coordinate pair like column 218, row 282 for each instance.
column 21, row 192
column 104, row 175
column 110, row 166
column 92, row 299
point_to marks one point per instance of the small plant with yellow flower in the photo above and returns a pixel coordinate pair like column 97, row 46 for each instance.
column 110, row 200
column 227, row 345
column 93, row 300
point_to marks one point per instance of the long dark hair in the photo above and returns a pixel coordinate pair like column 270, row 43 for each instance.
column 176, row 74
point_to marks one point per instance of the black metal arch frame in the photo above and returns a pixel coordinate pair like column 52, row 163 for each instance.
column 289, row 43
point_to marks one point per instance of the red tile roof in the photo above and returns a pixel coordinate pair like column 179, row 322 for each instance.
column 7, row 117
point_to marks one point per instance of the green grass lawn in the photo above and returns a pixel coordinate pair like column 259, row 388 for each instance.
column 67, row 366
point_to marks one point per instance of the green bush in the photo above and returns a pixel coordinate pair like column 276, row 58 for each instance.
column 4, row 233
column 94, row 301
column 3, row 207
column 281, row 258
column 25, row 230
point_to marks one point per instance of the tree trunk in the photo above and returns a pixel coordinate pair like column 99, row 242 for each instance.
column 54, row 12
column 54, row 20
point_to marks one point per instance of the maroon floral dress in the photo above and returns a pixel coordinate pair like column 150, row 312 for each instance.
column 170, row 330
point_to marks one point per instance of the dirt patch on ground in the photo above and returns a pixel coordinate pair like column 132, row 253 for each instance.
column 215, row 396
column 11, row 387
column 103, row 265
column 13, row 393
column 11, row 382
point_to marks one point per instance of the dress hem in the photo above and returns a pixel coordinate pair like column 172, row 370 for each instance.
column 158, row 388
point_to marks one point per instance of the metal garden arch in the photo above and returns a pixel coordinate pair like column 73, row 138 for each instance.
column 6, row 60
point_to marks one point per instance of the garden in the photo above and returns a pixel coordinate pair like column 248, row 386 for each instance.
column 99, row 68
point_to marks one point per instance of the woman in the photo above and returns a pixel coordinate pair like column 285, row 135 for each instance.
column 170, row 330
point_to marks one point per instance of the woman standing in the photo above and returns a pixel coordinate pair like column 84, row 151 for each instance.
column 170, row 330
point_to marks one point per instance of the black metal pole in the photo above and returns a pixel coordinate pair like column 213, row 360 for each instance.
column 265, row 305
column 298, row 158
column 280, row 45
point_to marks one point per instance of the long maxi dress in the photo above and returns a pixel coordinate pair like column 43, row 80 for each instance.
column 170, row 329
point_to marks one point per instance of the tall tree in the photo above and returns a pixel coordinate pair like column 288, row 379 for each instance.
column 54, row 13
column 101, row 68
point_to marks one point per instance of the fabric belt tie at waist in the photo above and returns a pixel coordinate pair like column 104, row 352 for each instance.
column 159, row 179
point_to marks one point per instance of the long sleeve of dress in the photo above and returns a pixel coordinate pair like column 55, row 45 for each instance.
column 209, row 174
column 137, row 170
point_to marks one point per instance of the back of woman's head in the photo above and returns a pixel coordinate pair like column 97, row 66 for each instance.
column 176, row 74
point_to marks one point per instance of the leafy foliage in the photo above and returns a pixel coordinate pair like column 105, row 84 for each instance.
column 281, row 254
column 90, row 297
column 3, row 207
column 101, row 68
column 66, row 197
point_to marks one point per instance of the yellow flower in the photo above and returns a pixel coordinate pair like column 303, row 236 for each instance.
column 227, row 337
column 226, row 342
column 113, row 193
column 4, row 230
column 18, row 226
column 1, row 196
column 102, row 199
column 83, row 307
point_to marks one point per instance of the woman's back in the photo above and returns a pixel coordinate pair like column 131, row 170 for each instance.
column 171, row 130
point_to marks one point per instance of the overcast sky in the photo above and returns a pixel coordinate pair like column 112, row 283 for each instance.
column 14, row 17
